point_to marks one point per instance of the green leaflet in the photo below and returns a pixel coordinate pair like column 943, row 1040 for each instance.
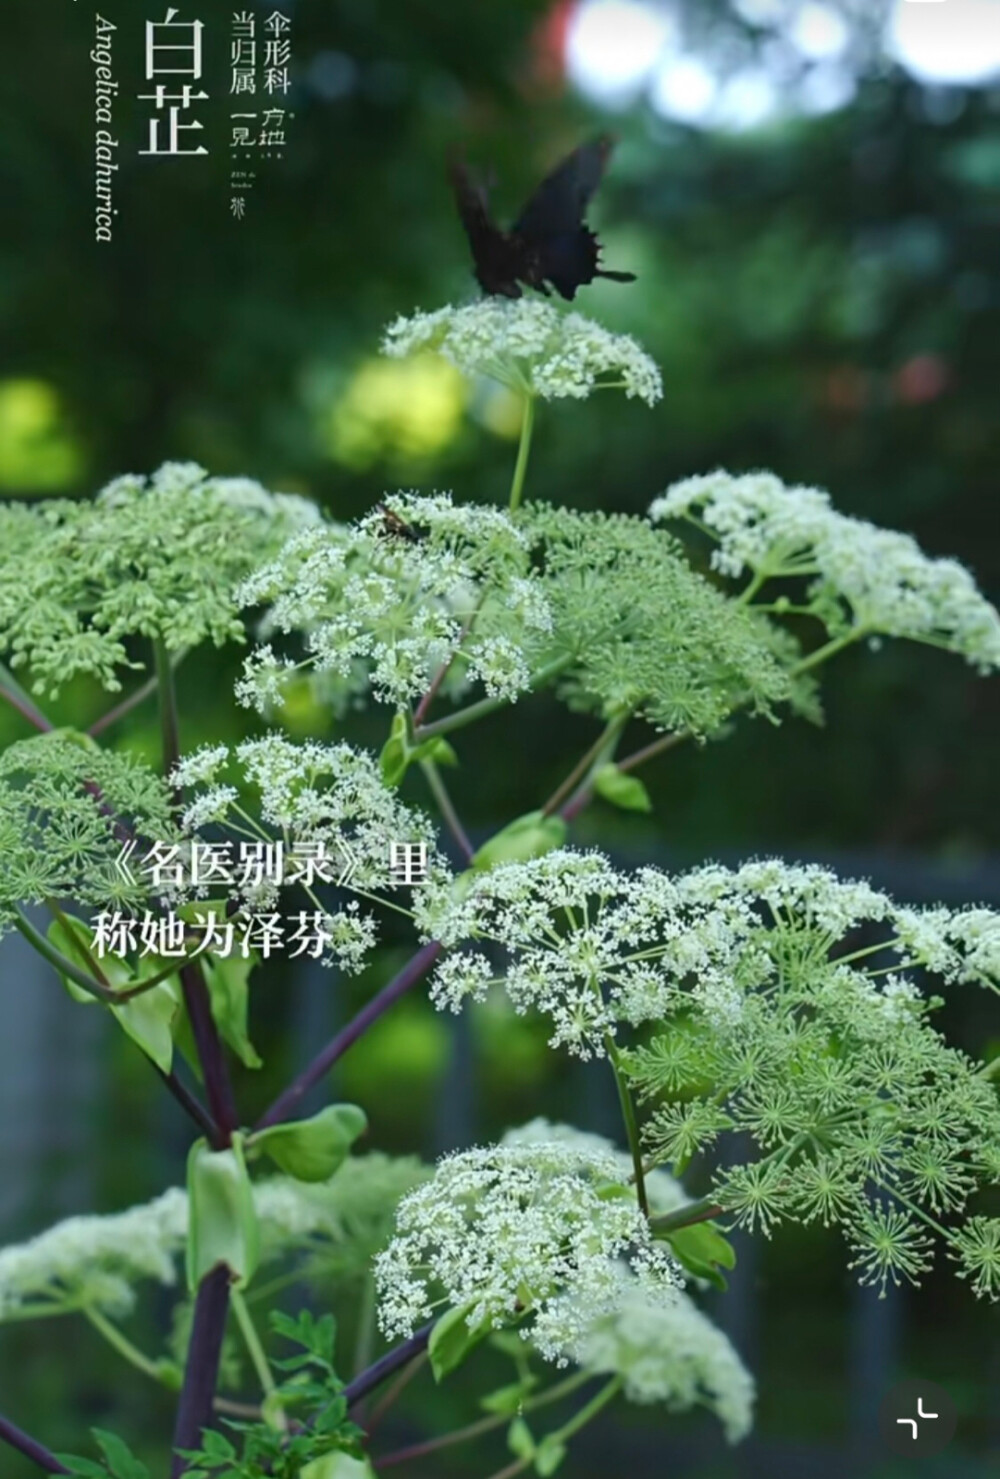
column 703, row 1251
column 228, row 981
column 223, row 1224
column 452, row 1339
column 338, row 1466
column 149, row 1018
column 311, row 1150
column 398, row 754
column 545, row 1456
column 626, row 791
column 528, row 836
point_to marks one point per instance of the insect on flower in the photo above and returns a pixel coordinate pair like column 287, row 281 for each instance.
column 397, row 528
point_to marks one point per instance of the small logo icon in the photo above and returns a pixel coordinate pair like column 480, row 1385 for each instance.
column 917, row 1419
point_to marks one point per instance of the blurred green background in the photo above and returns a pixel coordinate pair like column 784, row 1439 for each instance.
column 810, row 196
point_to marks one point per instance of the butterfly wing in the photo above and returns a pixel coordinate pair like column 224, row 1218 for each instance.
column 559, row 246
column 495, row 256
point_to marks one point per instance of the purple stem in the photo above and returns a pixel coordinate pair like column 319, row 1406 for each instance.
column 37, row 1452
column 192, row 1105
column 400, row 1355
column 218, row 1088
column 36, row 718
column 201, row 1371
column 286, row 1103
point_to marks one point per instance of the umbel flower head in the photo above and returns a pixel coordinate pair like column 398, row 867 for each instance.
column 542, row 1234
column 326, row 802
column 760, row 1018
column 606, row 600
column 156, row 558
column 63, row 805
column 386, row 612
column 861, row 579
column 667, row 1351
column 663, row 1347
column 530, row 346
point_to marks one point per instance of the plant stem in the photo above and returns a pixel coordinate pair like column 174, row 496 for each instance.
column 485, row 706
column 18, row 699
column 62, row 963
column 286, row 1103
column 420, row 713
column 376, row 1374
column 213, row 1062
column 523, row 449
column 398, row 1386
column 112, row 716
column 30, row 1447
column 256, row 1352
column 607, row 737
column 218, row 1088
column 701, row 1211
column 584, row 1416
column 201, row 1372
column 132, row 702
column 837, row 644
column 228, row 1408
column 631, row 1125
column 658, row 747
column 447, row 808
column 190, row 1103
column 169, row 723
column 122, row 1344
column 77, row 944
column 607, row 1394
column 485, row 1424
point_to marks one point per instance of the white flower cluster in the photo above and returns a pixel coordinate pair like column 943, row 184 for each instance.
column 668, row 1351
column 245, row 495
column 313, row 794
column 663, row 1192
column 874, row 581
column 95, row 1260
column 513, row 1233
column 592, row 948
column 531, row 346
column 385, row 610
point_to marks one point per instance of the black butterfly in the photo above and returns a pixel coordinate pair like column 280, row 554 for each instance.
column 548, row 243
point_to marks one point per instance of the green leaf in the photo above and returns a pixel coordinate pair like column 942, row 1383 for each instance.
column 439, row 750
column 508, row 1400
column 227, row 979
column 549, row 1455
column 148, row 1019
column 703, row 1251
column 398, row 754
column 626, row 791
column 223, row 1224
column 120, row 1459
column 68, row 942
column 338, row 1466
column 311, row 1150
column 452, row 1340
column 528, row 836
column 519, row 1439
column 86, row 1467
